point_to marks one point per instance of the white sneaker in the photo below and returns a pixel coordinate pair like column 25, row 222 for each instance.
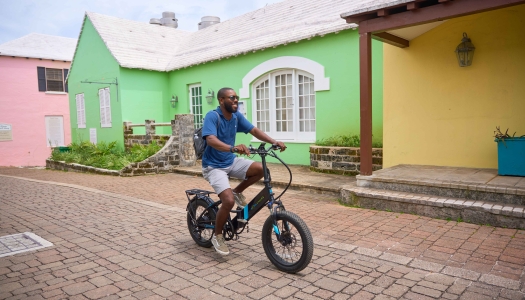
column 240, row 200
column 220, row 244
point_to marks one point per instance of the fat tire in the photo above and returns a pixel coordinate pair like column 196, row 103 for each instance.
column 268, row 240
column 209, row 218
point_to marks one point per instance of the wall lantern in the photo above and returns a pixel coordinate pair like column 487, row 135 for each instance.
column 465, row 51
column 174, row 100
column 210, row 96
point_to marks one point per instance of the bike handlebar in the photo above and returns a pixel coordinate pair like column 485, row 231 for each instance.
column 269, row 151
column 262, row 150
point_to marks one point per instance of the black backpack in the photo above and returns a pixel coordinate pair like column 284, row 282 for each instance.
column 199, row 144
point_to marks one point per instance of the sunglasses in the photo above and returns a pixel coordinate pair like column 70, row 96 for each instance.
column 232, row 97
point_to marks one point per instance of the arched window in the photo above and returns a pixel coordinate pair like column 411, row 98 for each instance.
column 284, row 105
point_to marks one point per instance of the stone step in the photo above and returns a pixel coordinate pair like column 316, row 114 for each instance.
column 447, row 189
column 472, row 211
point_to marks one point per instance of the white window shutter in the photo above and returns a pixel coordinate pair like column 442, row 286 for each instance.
column 79, row 114
column 108, row 108
column 105, row 107
column 101, row 98
column 83, row 110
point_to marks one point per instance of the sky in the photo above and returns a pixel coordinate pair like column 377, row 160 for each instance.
column 64, row 17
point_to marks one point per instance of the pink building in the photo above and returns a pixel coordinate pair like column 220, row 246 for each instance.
column 34, row 110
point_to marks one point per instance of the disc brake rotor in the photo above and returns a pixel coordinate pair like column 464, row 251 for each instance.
column 288, row 239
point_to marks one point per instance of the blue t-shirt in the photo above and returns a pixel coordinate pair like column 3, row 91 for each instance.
column 225, row 133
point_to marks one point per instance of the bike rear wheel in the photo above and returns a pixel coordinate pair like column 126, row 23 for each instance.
column 293, row 251
column 201, row 227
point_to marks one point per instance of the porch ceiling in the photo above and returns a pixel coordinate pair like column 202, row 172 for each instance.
column 410, row 33
column 399, row 21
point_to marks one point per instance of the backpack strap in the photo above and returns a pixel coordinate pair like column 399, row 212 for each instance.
column 218, row 121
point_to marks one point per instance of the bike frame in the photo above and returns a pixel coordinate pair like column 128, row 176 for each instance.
column 264, row 198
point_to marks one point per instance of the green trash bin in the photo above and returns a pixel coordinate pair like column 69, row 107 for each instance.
column 64, row 149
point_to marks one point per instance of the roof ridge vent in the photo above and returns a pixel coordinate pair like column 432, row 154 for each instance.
column 168, row 20
column 208, row 21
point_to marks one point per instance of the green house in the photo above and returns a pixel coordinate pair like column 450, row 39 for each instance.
column 294, row 64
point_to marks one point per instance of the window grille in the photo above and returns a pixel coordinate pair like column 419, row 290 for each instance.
column 284, row 105
column 54, row 80
column 196, row 104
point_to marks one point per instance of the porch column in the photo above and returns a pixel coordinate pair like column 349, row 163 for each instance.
column 365, row 72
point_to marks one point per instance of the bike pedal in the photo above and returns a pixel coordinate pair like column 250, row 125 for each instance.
column 242, row 220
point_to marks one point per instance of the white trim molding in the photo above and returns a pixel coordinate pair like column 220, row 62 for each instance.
column 321, row 83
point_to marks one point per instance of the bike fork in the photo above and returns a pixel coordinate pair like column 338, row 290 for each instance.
column 276, row 229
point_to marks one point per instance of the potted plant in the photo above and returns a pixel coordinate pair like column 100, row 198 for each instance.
column 511, row 153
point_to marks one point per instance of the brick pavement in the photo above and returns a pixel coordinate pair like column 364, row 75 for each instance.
column 126, row 237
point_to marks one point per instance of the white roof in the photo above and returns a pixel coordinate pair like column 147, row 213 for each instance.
column 138, row 45
column 36, row 45
column 152, row 47
column 371, row 5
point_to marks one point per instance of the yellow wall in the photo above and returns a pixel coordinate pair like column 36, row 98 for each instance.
column 436, row 113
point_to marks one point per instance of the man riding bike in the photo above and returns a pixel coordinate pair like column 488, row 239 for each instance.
column 219, row 161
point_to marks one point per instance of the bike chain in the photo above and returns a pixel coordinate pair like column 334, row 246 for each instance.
column 229, row 234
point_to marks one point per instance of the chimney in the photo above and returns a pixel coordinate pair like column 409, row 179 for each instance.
column 168, row 20
column 208, row 21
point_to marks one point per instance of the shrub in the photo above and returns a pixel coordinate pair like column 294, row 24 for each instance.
column 104, row 155
column 345, row 141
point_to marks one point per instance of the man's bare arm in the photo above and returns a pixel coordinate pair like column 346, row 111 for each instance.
column 260, row 135
column 214, row 142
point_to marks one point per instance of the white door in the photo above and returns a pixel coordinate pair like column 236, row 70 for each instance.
column 54, row 131
column 196, row 104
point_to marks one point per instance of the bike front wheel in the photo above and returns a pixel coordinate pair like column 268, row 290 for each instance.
column 201, row 222
column 288, row 244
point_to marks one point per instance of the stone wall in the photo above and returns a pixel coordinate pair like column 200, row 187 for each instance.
column 177, row 150
column 142, row 139
column 63, row 166
column 184, row 132
column 131, row 139
column 341, row 160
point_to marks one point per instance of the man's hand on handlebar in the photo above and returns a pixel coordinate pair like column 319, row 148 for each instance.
column 241, row 149
column 244, row 150
column 280, row 145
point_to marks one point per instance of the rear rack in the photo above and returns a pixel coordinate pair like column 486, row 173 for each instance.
column 197, row 192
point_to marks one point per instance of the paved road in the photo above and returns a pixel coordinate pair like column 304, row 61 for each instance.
column 127, row 238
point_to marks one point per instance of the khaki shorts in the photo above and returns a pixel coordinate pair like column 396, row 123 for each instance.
column 218, row 177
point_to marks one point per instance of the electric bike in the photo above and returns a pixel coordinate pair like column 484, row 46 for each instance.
column 285, row 237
